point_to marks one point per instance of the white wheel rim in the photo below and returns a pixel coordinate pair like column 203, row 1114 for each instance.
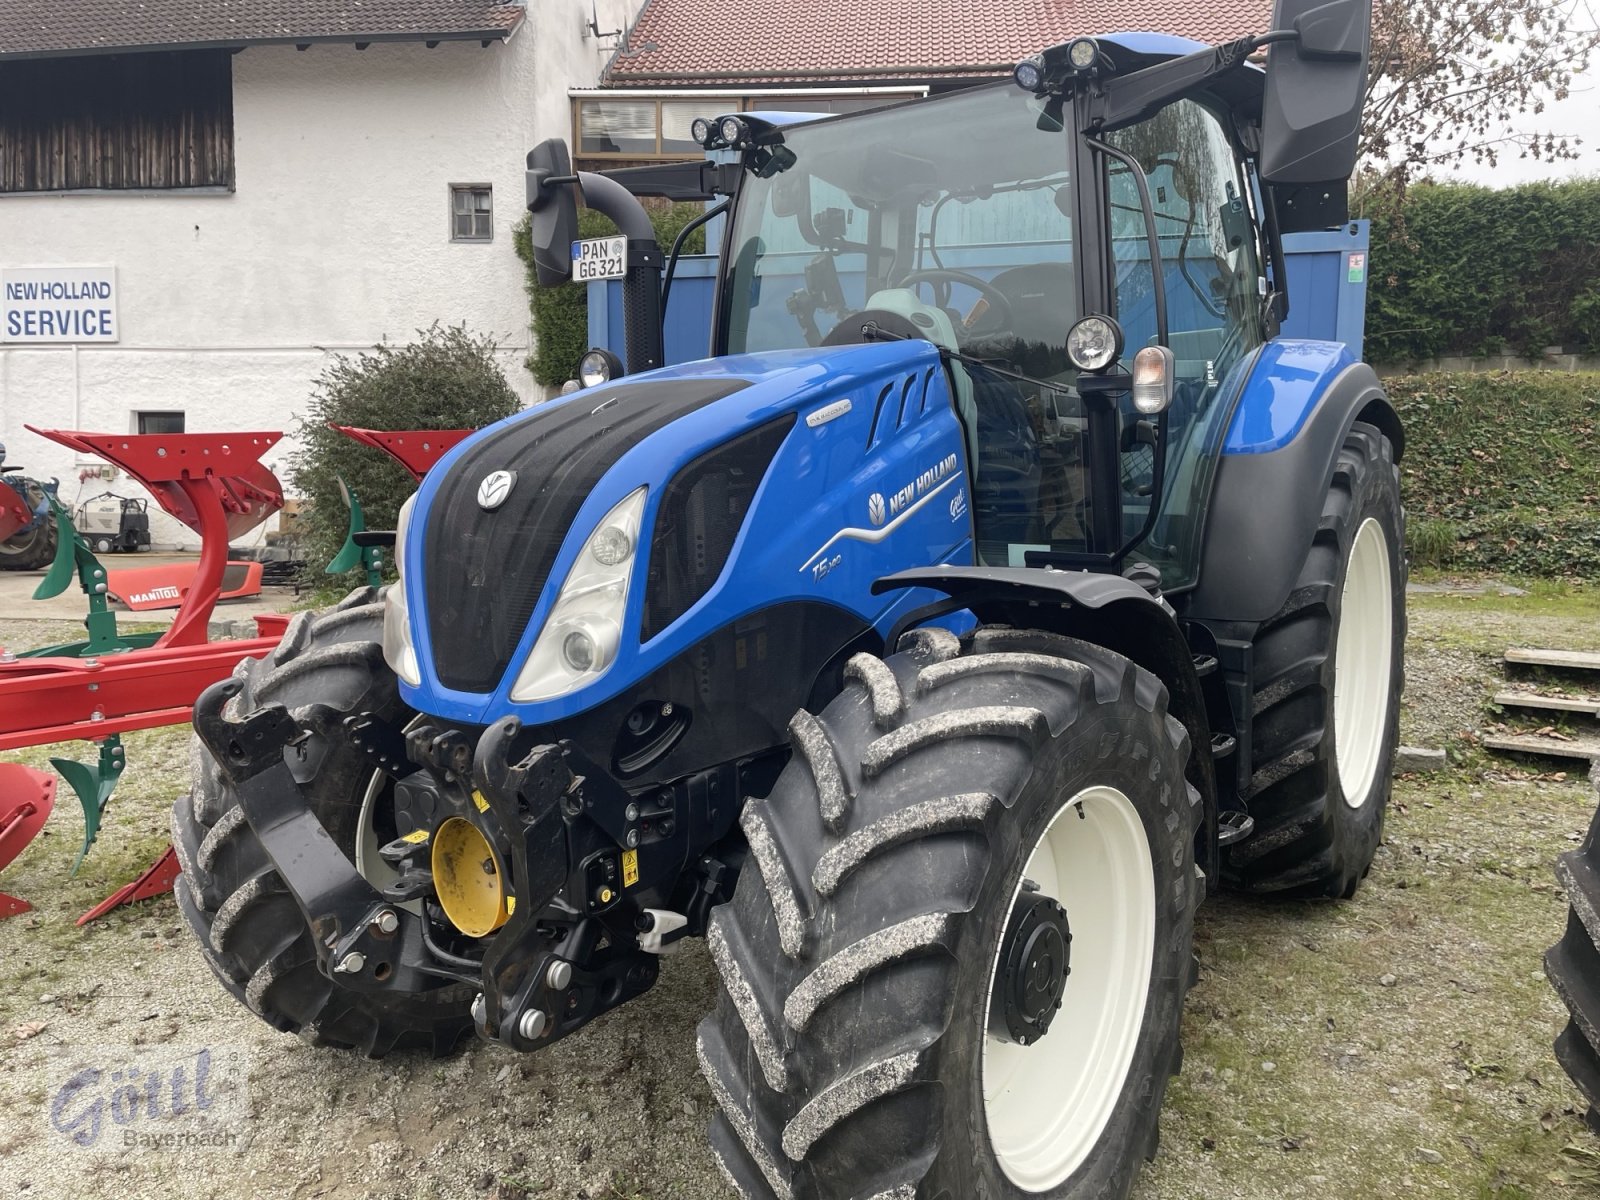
column 1363, row 657
column 1047, row 1105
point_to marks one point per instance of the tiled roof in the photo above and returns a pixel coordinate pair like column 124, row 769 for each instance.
column 39, row 28
column 711, row 42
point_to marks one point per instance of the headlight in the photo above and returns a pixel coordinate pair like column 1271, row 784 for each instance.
column 1083, row 53
column 398, row 651
column 700, row 130
column 599, row 366
column 583, row 631
column 402, row 523
column 732, row 130
column 1029, row 74
column 1094, row 343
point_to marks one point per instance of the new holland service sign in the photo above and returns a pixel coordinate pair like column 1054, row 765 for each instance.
column 58, row 304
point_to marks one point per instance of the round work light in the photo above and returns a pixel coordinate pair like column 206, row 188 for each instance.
column 1094, row 343
column 599, row 366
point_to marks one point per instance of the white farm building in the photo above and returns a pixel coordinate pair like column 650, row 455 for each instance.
column 199, row 202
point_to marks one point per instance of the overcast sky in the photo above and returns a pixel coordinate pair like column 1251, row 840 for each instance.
column 1578, row 115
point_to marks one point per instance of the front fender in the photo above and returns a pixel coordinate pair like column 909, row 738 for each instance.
column 1108, row 611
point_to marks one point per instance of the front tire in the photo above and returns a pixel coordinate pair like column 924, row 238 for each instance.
column 252, row 933
column 852, row 1052
column 1573, row 966
column 1328, row 671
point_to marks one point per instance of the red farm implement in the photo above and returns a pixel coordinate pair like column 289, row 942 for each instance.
column 97, row 689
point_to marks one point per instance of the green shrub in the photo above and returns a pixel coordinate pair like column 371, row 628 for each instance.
column 561, row 314
column 446, row 379
column 1500, row 472
column 1432, row 541
column 1459, row 269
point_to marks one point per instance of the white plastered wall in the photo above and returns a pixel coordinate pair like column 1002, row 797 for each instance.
column 336, row 236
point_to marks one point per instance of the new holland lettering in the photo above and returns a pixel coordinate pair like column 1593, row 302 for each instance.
column 59, row 289
column 930, row 478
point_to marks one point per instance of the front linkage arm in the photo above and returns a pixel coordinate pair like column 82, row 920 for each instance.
column 363, row 941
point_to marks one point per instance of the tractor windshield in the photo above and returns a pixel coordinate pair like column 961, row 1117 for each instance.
column 962, row 203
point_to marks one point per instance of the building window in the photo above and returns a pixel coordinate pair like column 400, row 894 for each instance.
column 471, row 212
column 158, row 422
column 117, row 122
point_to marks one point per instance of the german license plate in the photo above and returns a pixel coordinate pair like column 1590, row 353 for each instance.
column 599, row 258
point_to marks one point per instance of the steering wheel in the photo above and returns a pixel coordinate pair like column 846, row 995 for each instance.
column 999, row 314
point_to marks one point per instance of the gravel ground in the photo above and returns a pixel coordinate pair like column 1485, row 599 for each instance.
column 1393, row 1046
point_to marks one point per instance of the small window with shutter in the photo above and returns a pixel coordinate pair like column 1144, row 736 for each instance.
column 471, row 212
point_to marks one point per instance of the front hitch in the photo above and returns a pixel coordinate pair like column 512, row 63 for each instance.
column 538, row 987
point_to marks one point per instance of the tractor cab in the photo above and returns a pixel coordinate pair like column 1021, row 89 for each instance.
column 952, row 220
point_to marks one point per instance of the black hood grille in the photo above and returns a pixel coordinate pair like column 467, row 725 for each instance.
column 483, row 572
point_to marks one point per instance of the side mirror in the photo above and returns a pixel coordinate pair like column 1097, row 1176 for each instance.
column 555, row 211
column 1316, row 83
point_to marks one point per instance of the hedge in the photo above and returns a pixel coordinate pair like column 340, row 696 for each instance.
column 1501, row 473
column 1465, row 270
column 561, row 314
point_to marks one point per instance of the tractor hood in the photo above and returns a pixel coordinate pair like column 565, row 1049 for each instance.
column 742, row 468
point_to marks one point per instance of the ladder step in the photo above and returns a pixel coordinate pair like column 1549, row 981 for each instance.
column 1569, row 660
column 1587, row 705
column 1553, row 747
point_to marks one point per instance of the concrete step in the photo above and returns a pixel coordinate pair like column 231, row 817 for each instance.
column 1584, row 705
column 1566, row 660
column 1587, row 750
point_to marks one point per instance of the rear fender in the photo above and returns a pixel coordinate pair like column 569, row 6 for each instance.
column 1276, row 468
column 1105, row 610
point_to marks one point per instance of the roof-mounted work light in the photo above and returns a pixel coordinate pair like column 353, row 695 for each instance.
column 1084, row 54
column 1051, row 71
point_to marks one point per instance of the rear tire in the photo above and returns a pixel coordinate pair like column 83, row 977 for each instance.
column 850, row 1051
column 1573, row 966
column 1328, row 672
column 252, row 933
column 35, row 549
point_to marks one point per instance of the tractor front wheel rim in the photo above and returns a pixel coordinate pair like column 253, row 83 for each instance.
column 1047, row 1105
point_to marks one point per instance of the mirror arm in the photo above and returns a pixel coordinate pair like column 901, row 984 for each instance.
column 1128, row 99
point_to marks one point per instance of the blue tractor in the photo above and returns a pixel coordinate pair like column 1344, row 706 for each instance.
column 1002, row 584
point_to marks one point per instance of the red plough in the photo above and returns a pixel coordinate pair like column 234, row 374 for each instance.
column 417, row 450
column 216, row 485
column 26, row 798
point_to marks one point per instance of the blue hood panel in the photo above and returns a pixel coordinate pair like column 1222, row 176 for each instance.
column 871, row 479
